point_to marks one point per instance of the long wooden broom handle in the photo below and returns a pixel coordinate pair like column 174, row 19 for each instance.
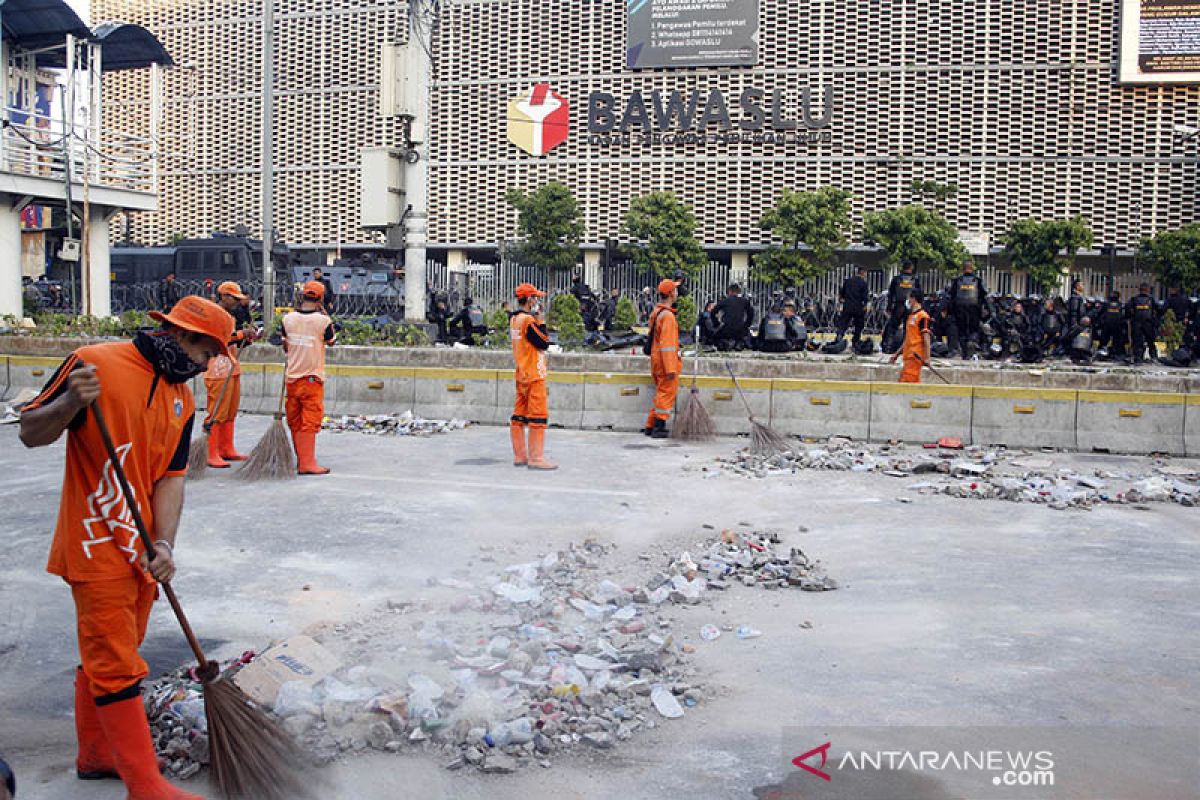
column 741, row 394
column 119, row 471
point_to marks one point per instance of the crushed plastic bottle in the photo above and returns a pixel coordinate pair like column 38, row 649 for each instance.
column 710, row 632
column 746, row 632
column 665, row 702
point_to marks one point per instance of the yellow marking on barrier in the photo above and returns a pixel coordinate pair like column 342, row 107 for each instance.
column 926, row 389
column 920, row 404
column 630, row 391
column 717, row 382
column 1133, row 398
column 617, row 379
column 34, row 361
column 1133, row 413
column 1193, row 399
column 722, row 396
column 1028, row 393
column 802, row 385
column 375, row 385
column 456, row 387
column 385, row 373
column 1023, row 409
column 819, row 401
column 436, row 373
column 37, row 373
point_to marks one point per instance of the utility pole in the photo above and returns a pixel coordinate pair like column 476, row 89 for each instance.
column 268, row 162
column 416, row 186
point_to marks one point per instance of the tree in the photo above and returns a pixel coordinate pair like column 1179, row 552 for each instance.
column 1171, row 331
column 685, row 313
column 917, row 234
column 626, row 316
column 1174, row 256
column 664, row 228
column 819, row 221
column 549, row 226
column 1044, row 249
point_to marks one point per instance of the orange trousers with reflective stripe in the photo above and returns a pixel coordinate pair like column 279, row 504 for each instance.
column 665, row 392
column 111, row 619
column 305, row 406
column 911, row 372
column 227, row 411
column 533, row 405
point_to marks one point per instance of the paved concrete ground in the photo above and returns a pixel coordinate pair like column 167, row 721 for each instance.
column 952, row 612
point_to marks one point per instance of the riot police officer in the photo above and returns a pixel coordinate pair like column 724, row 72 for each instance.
column 469, row 323
column 1076, row 305
column 854, row 295
column 773, row 332
column 1078, row 341
column 1112, row 327
column 1051, row 325
column 901, row 286
column 967, row 295
column 1143, row 322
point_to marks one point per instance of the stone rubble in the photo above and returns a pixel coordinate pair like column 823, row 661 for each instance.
column 406, row 424
column 539, row 659
column 980, row 473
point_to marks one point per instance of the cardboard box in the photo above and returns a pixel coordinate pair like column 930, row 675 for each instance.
column 296, row 659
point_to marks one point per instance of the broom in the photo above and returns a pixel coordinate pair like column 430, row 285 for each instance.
column 694, row 423
column 929, row 367
column 250, row 754
column 271, row 458
column 764, row 440
column 198, row 455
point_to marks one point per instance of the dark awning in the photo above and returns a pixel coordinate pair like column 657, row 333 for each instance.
column 31, row 24
column 126, row 46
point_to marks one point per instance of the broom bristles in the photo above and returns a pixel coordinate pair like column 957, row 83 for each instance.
column 694, row 423
column 271, row 458
column 251, row 755
column 198, row 456
column 766, row 441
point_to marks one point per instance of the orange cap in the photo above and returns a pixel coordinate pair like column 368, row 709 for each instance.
column 232, row 289
column 200, row 316
column 528, row 290
column 666, row 286
column 314, row 290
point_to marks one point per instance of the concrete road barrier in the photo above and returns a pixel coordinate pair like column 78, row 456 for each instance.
column 1131, row 422
column 1191, row 426
column 720, row 397
column 470, row 394
column 369, row 390
column 821, row 408
column 1024, row 417
column 615, row 401
column 564, row 394
column 4, row 377
column 30, row 372
column 920, row 412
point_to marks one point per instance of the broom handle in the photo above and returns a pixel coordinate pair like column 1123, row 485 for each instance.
column 282, row 393
column 738, row 386
column 930, row 368
column 119, row 471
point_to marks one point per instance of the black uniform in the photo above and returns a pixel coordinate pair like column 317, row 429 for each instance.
column 438, row 314
column 854, row 295
column 897, row 295
column 1052, row 326
column 1076, row 309
column 967, row 295
column 1112, row 328
column 736, row 316
column 1143, row 323
column 169, row 293
column 469, row 323
column 1077, row 342
column 774, row 334
column 708, row 328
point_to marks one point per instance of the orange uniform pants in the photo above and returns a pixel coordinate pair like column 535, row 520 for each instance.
column 305, row 405
column 227, row 410
column 111, row 621
column 533, row 405
column 665, row 392
column 911, row 372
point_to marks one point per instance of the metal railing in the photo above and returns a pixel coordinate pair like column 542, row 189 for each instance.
column 40, row 146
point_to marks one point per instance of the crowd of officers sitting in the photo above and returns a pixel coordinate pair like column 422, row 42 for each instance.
column 968, row 321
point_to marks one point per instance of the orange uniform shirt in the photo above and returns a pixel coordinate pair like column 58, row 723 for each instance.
column 664, row 352
column 307, row 334
column 529, row 343
column 914, row 336
column 151, row 425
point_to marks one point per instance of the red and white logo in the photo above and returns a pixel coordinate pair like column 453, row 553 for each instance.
column 539, row 120
column 820, row 772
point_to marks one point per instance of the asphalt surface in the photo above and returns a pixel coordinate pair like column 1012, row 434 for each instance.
column 951, row 612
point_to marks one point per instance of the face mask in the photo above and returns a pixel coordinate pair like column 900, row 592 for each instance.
column 169, row 359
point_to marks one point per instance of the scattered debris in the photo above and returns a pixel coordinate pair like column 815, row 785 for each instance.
column 502, row 671
column 981, row 473
column 406, row 424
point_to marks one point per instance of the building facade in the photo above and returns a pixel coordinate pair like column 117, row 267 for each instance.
column 1017, row 104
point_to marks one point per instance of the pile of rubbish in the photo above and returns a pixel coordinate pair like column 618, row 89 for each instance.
column 981, row 473
column 406, row 424
column 537, row 660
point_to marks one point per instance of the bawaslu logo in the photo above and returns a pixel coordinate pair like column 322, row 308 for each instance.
column 538, row 121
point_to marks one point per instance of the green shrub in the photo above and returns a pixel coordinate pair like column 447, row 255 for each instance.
column 686, row 313
column 566, row 318
column 498, row 335
column 1170, row 330
column 626, row 315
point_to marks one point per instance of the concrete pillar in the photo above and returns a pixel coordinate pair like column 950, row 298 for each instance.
column 591, row 270
column 98, row 302
column 456, row 261
column 10, row 261
column 739, row 267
